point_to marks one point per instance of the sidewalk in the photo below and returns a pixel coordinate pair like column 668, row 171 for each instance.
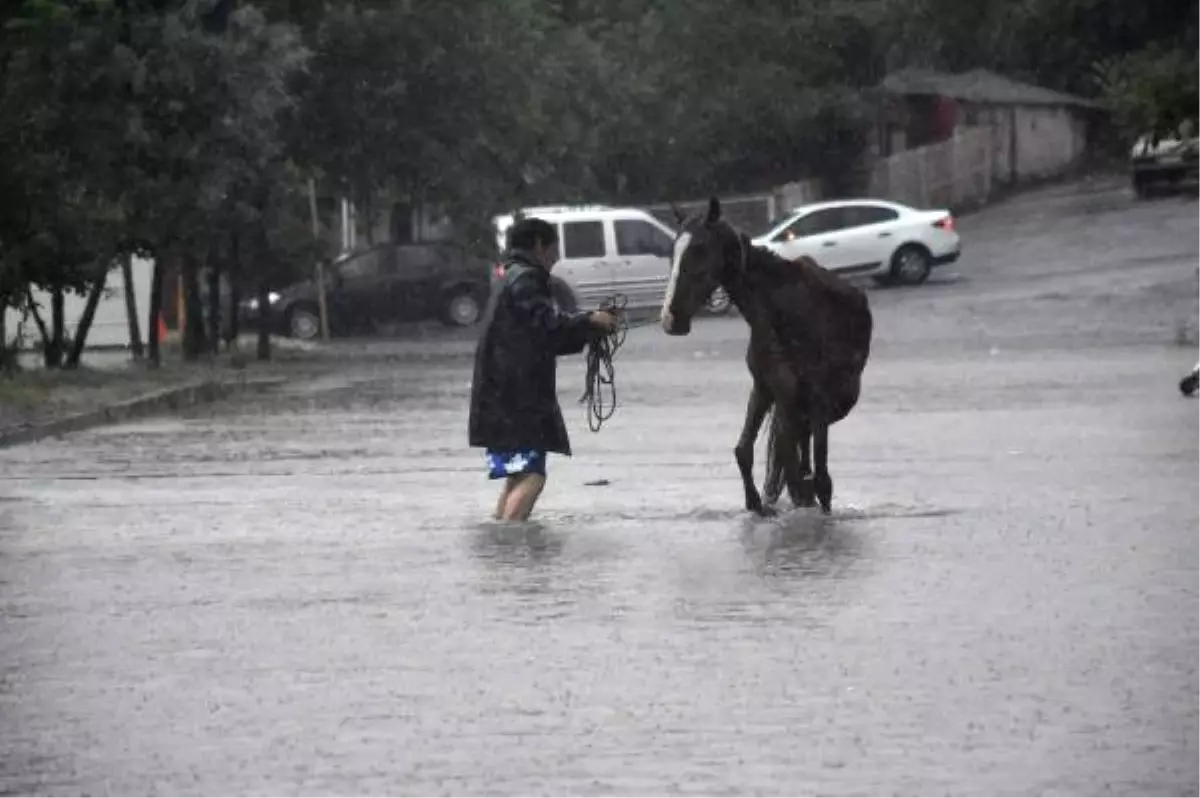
column 110, row 387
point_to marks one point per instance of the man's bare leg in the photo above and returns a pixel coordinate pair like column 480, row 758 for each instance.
column 522, row 496
column 509, row 484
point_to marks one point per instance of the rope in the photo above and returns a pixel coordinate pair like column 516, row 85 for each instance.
column 600, row 373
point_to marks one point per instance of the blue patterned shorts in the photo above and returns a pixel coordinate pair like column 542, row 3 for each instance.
column 510, row 464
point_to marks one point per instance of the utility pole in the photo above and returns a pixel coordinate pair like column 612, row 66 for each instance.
column 322, row 305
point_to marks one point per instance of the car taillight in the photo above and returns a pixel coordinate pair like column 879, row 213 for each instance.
column 946, row 223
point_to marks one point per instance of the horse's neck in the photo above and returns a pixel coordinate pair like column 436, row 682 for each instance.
column 751, row 292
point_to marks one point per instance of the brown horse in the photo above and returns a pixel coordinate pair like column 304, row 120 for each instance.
column 810, row 337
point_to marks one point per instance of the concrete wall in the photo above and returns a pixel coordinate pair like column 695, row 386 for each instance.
column 1049, row 140
column 952, row 173
column 110, row 325
column 1011, row 144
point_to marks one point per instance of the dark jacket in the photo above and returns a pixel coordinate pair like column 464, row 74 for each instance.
column 514, row 395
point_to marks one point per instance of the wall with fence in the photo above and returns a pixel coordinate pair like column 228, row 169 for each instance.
column 752, row 213
column 951, row 173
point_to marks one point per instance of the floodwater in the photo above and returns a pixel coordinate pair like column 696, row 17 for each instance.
column 300, row 593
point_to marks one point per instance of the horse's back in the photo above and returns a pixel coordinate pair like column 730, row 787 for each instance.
column 843, row 311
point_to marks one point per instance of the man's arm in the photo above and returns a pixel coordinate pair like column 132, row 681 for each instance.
column 568, row 332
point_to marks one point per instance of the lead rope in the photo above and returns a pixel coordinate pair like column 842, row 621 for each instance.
column 600, row 372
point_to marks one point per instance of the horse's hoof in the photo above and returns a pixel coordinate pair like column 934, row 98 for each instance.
column 764, row 511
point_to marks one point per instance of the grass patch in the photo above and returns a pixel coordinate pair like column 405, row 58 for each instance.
column 36, row 395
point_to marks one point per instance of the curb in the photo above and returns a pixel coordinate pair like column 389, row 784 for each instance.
column 177, row 398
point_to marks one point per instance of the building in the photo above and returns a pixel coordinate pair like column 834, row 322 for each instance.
column 1035, row 132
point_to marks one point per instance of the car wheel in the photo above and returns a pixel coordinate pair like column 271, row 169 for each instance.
column 719, row 302
column 462, row 309
column 1141, row 187
column 304, row 323
column 911, row 265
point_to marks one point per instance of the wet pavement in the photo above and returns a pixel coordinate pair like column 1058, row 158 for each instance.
column 298, row 594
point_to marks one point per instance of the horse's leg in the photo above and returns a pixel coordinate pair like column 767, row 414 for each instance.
column 802, row 493
column 822, row 482
column 756, row 411
column 794, row 424
column 777, row 447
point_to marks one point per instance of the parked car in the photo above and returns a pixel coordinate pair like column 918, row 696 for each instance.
column 887, row 241
column 605, row 251
column 1164, row 158
column 382, row 284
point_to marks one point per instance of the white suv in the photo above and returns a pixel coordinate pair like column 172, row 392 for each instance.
column 886, row 240
column 605, row 251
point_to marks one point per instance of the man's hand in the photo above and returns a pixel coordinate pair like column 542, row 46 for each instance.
column 603, row 320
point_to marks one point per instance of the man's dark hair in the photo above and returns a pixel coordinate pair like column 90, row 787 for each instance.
column 526, row 234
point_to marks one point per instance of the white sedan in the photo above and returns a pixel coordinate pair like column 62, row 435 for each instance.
column 887, row 241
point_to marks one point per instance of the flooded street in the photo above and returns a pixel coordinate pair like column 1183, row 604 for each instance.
column 299, row 593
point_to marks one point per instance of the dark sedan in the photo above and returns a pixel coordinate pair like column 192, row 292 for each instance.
column 383, row 284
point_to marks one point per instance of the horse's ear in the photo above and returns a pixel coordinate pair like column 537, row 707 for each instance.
column 679, row 217
column 714, row 211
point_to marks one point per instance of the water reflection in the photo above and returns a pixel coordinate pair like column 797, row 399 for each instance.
column 805, row 543
column 529, row 543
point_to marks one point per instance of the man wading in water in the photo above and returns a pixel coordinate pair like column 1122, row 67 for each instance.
column 514, row 396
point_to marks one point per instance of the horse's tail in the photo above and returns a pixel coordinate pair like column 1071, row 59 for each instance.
column 778, row 447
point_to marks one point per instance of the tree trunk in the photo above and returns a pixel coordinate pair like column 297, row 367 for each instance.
column 54, row 347
column 235, row 289
column 214, row 304
column 8, row 358
column 264, row 329
column 368, row 210
column 135, row 336
column 37, row 318
column 193, row 326
column 156, row 291
column 85, row 321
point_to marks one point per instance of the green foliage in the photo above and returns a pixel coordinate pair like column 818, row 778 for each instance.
column 1154, row 89
column 128, row 125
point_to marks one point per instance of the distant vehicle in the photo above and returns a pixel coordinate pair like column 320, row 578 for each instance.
column 1164, row 158
column 887, row 241
column 382, row 284
column 605, row 251
column 1187, row 386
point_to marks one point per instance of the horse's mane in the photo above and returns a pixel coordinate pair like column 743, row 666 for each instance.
column 765, row 267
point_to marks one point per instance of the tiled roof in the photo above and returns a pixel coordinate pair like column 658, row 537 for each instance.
column 978, row 85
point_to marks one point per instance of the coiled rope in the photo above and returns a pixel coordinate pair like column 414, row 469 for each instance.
column 601, row 377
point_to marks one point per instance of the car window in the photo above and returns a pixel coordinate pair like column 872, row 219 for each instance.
column 583, row 240
column 859, row 215
column 816, row 223
column 636, row 237
column 416, row 258
column 364, row 265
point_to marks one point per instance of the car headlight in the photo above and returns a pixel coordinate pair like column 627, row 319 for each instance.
column 272, row 297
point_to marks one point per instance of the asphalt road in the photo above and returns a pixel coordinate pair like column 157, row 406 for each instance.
column 300, row 594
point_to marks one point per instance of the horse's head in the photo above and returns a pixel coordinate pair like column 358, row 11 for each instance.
column 706, row 249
